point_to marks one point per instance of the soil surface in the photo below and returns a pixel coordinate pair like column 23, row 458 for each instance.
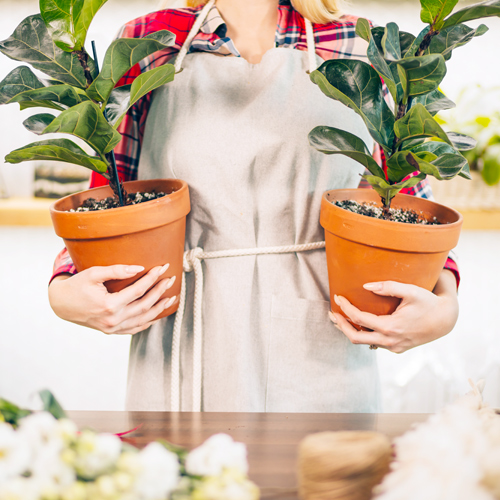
column 92, row 205
column 395, row 214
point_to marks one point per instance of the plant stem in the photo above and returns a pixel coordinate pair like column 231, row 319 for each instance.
column 424, row 45
column 83, row 57
column 114, row 179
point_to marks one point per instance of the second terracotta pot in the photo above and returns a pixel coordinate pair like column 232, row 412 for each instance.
column 361, row 249
column 149, row 234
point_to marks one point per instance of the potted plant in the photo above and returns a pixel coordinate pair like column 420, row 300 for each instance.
column 90, row 107
column 363, row 249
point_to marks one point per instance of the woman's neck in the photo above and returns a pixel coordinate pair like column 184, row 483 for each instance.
column 251, row 25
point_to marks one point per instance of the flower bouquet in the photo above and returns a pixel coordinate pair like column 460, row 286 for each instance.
column 43, row 456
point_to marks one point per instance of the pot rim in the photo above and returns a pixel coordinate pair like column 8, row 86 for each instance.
column 377, row 232
column 121, row 220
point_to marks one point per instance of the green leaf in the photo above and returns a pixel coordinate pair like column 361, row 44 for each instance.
column 477, row 11
column 388, row 191
column 51, row 404
column 452, row 37
column 437, row 148
column 376, row 56
column 434, row 101
column 31, row 43
column 444, row 167
column 462, row 142
column 332, row 141
column 68, row 20
column 423, row 73
column 86, row 121
column 434, row 11
column 358, row 86
column 363, row 29
column 418, row 122
column 60, row 94
column 11, row 413
column 405, row 42
column 57, row 150
column 17, row 81
column 120, row 102
column 118, row 105
column 38, row 123
column 398, row 167
column 465, row 172
column 390, row 42
column 39, row 104
column 121, row 56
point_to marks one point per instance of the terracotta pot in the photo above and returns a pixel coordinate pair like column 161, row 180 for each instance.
column 361, row 249
column 148, row 234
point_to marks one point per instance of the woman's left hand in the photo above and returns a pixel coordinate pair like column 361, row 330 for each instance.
column 421, row 317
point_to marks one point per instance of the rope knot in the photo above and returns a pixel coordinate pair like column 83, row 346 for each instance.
column 190, row 256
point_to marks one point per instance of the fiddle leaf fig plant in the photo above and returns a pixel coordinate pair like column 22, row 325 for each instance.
column 412, row 68
column 87, row 103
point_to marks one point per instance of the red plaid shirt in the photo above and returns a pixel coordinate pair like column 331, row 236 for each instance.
column 334, row 40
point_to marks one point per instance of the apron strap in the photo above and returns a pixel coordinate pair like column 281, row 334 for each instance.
column 194, row 31
column 311, row 47
column 192, row 262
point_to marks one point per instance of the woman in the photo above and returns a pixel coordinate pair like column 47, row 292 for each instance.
column 235, row 128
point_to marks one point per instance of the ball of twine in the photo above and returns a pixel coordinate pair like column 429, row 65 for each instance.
column 342, row 465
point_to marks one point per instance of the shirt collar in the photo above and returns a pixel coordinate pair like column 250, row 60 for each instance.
column 214, row 19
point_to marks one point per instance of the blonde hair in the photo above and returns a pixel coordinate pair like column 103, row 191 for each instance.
column 317, row 11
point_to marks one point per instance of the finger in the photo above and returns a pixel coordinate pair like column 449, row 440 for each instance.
column 358, row 317
column 145, row 303
column 138, row 329
column 356, row 336
column 137, row 323
column 393, row 289
column 100, row 274
column 140, row 287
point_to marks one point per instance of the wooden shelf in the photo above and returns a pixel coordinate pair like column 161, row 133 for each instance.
column 481, row 219
column 25, row 212
column 35, row 212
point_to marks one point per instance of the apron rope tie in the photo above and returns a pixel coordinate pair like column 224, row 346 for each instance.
column 192, row 262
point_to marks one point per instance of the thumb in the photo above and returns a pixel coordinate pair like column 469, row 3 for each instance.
column 392, row 289
column 100, row 274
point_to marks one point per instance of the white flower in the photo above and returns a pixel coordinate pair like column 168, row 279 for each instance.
column 157, row 474
column 15, row 453
column 50, row 470
column 452, row 456
column 216, row 454
column 19, row 488
column 96, row 453
column 39, row 428
column 231, row 485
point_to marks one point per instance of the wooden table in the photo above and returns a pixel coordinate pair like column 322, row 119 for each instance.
column 271, row 438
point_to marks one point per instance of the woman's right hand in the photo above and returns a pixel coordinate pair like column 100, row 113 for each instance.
column 83, row 299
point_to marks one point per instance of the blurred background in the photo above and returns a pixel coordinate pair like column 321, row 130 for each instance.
column 87, row 370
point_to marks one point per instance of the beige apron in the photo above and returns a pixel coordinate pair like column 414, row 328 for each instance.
column 237, row 134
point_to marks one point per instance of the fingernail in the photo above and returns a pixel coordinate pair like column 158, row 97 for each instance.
column 373, row 287
column 336, row 299
column 170, row 282
column 162, row 269
column 169, row 302
column 332, row 317
column 133, row 269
